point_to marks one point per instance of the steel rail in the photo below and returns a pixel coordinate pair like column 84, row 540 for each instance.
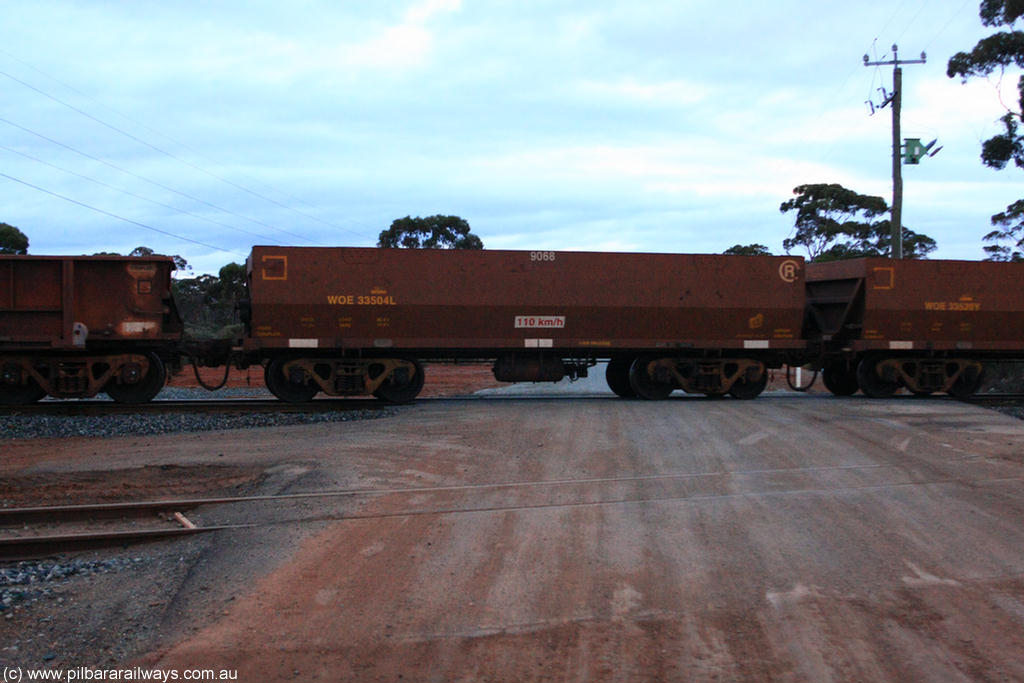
column 270, row 404
column 205, row 405
column 994, row 398
column 20, row 515
column 28, row 547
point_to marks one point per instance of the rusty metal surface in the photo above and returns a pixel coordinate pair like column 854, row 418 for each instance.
column 358, row 298
column 944, row 305
column 80, row 302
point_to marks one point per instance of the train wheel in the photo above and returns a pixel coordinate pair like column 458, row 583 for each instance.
column 282, row 386
column 143, row 390
column 13, row 392
column 746, row 389
column 967, row 383
column 617, row 375
column 840, row 379
column 400, row 388
column 871, row 383
column 644, row 385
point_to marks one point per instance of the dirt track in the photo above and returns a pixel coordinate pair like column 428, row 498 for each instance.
column 792, row 538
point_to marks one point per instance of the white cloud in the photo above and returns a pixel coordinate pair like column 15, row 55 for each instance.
column 280, row 57
column 405, row 45
column 422, row 12
column 948, row 107
column 402, row 46
column 698, row 167
column 674, row 93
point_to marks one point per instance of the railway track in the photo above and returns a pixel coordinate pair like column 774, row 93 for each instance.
column 996, row 399
column 205, row 405
column 323, row 405
column 41, row 531
column 247, row 406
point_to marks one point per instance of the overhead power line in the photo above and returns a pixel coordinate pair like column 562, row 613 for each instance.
column 948, row 22
column 924, row 3
column 133, row 194
column 120, row 218
column 175, row 157
column 150, row 181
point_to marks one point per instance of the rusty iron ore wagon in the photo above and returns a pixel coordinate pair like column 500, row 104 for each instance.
column 924, row 325
column 356, row 321
column 74, row 326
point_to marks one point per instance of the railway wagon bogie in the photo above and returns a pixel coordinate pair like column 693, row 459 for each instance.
column 17, row 383
column 876, row 380
column 880, row 376
column 655, row 378
column 125, row 377
column 299, row 379
column 138, row 378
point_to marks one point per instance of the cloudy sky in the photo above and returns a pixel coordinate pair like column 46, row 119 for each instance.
column 202, row 128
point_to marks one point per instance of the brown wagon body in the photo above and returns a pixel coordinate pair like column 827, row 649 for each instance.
column 914, row 305
column 541, row 314
column 924, row 324
column 448, row 302
column 77, row 325
column 70, row 302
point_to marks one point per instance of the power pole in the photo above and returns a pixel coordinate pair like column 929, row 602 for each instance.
column 897, row 157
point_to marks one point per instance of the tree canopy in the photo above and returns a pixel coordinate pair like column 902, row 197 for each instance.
column 748, row 250
column 12, row 240
column 432, row 232
column 1008, row 238
column 998, row 52
column 209, row 303
column 180, row 263
column 833, row 223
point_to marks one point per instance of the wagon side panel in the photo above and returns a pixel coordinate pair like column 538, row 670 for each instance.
column 436, row 300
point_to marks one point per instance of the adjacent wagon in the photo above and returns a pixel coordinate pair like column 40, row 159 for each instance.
column 74, row 326
column 925, row 325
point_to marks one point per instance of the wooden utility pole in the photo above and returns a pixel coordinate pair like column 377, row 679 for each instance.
column 897, row 157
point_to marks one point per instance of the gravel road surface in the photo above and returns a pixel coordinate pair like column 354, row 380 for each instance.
column 790, row 538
